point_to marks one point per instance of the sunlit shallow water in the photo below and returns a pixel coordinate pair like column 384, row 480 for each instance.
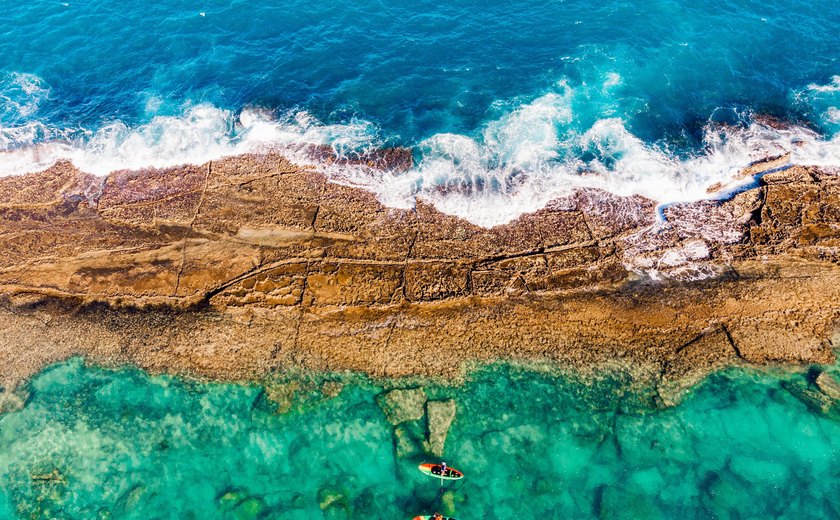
column 97, row 443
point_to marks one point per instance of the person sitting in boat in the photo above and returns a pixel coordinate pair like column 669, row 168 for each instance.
column 442, row 469
column 437, row 516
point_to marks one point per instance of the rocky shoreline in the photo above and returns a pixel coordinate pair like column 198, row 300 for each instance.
column 243, row 266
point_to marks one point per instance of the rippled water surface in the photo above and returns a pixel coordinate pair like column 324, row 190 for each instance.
column 94, row 443
column 510, row 103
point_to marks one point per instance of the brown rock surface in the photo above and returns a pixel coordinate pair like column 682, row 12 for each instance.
column 402, row 405
column 242, row 266
column 440, row 417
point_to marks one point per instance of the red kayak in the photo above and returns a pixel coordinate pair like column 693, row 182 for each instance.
column 432, row 517
column 434, row 470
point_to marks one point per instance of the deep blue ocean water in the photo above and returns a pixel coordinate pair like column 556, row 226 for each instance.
column 518, row 99
column 419, row 68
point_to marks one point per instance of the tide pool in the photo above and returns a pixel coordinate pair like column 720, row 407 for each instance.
column 99, row 443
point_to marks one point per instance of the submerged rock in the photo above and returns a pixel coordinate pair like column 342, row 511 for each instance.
column 283, row 395
column 402, row 405
column 725, row 494
column 440, row 416
column 409, row 439
column 829, row 385
column 616, row 502
column 751, row 469
column 298, row 393
column 131, row 500
column 813, row 398
column 10, row 401
column 333, row 498
column 448, row 502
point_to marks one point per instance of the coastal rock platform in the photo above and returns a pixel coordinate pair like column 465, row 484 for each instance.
column 242, row 266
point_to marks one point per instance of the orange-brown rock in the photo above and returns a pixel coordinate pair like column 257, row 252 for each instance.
column 242, row 266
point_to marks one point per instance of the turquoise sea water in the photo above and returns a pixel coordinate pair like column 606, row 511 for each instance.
column 96, row 443
column 505, row 104
column 518, row 99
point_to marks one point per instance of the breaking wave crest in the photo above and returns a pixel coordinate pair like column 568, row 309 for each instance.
column 202, row 133
column 517, row 163
column 834, row 86
column 534, row 154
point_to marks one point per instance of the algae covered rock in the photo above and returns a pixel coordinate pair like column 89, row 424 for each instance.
column 239, row 504
column 283, row 395
column 829, row 385
column 402, row 405
column 331, row 389
column 409, row 439
column 250, row 508
column 440, row 416
column 334, row 502
column 54, row 477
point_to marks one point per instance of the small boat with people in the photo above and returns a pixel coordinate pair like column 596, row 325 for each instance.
column 441, row 471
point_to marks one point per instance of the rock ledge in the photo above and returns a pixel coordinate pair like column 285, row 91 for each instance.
column 242, row 266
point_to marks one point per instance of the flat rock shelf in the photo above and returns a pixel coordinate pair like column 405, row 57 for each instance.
column 235, row 268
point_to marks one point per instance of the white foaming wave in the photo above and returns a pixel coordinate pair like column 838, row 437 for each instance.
column 202, row 133
column 822, row 100
column 613, row 79
column 834, row 86
column 21, row 94
column 518, row 163
column 529, row 157
column 528, row 136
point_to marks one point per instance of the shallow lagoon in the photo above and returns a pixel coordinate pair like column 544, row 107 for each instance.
column 99, row 443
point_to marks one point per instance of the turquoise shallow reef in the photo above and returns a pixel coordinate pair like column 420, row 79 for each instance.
column 100, row 443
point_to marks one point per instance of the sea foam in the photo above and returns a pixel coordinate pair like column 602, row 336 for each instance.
column 834, row 86
column 201, row 133
column 21, row 94
column 530, row 156
column 532, row 153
